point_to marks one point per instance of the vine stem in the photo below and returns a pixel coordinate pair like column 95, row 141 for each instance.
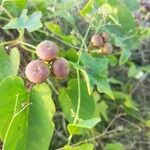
column 52, row 86
column 26, row 44
column 78, row 81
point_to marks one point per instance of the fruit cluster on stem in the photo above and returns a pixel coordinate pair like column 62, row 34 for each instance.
column 102, row 42
column 37, row 71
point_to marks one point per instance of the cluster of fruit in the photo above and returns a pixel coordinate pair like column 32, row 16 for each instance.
column 37, row 71
column 102, row 42
column 142, row 16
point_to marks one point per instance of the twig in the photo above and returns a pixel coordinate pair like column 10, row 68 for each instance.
column 92, row 138
column 138, row 84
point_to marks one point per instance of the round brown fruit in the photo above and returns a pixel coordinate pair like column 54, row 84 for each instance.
column 107, row 48
column 37, row 71
column 105, row 36
column 60, row 68
column 47, row 50
column 96, row 41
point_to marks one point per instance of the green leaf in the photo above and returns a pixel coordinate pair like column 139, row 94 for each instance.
column 87, row 8
column 148, row 123
column 9, row 64
column 102, row 109
column 41, row 126
column 95, row 73
column 113, row 61
column 80, row 147
column 128, row 102
column 38, row 4
column 124, row 14
column 68, row 101
column 146, row 68
column 21, row 120
column 132, row 5
column 125, row 54
column 115, row 81
column 123, row 29
column 9, row 89
column 12, row 92
column 19, row 3
column 114, row 146
column 55, row 29
column 133, row 70
column 71, row 55
column 31, row 22
column 14, row 6
column 82, row 126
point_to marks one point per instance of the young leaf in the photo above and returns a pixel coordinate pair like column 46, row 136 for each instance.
column 133, row 70
column 128, row 102
column 9, row 64
column 95, row 73
column 31, row 22
column 114, row 146
column 68, row 101
column 146, row 68
column 102, row 109
column 38, row 4
column 125, row 54
column 82, row 126
column 14, row 6
column 87, row 8
column 55, row 29
column 124, row 14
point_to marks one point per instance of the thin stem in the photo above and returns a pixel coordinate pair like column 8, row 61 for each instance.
column 27, row 49
column 93, row 138
column 83, row 42
column 8, row 42
column 26, row 44
column 33, row 5
column 21, row 110
column 78, row 106
column 78, row 80
column 3, row 18
column 6, row 11
column 59, row 39
column 79, row 97
column 52, row 86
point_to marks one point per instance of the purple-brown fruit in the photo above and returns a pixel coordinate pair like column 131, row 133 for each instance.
column 37, row 71
column 107, row 48
column 47, row 50
column 60, row 68
column 105, row 36
column 96, row 41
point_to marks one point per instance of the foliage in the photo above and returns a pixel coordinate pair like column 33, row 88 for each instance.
column 91, row 98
